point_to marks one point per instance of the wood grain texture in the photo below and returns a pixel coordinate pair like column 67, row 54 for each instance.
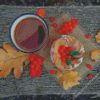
column 89, row 19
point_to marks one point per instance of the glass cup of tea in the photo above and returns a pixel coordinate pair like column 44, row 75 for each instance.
column 29, row 32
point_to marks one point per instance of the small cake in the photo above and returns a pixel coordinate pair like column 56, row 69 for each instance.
column 67, row 53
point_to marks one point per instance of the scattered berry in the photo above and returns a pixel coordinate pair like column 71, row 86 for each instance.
column 51, row 19
column 55, row 25
column 90, row 76
column 52, row 71
column 89, row 66
column 88, row 36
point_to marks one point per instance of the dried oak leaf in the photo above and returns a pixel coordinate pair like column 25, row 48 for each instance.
column 11, row 59
column 97, row 37
column 95, row 55
column 68, row 79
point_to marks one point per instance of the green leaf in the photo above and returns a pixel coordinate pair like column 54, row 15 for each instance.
column 72, row 53
column 68, row 61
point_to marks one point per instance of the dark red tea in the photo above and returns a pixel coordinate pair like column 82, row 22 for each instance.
column 30, row 34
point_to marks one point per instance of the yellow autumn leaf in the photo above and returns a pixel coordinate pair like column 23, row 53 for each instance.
column 68, row 79
column 95, row 55
column 97, row 37
column 11, row 59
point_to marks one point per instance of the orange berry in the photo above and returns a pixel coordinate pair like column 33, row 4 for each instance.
column 41, row 12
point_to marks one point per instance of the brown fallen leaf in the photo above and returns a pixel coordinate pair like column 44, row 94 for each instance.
column 68, row 79
column 97, row 37
column 11, row 59
column 95, row 55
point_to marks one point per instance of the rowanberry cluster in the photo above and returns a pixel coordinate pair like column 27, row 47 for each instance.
column 36, row 65
column 68, row 27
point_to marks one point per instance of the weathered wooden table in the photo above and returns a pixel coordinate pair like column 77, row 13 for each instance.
column 90, row 20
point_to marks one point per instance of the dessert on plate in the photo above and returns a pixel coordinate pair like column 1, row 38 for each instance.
column 67, row 53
